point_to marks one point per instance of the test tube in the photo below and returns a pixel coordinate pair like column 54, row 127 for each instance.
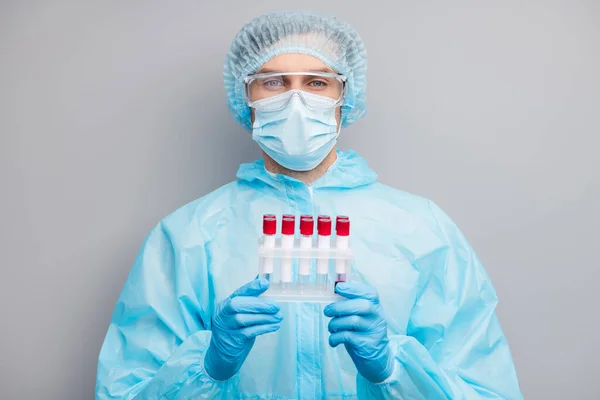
column 307, row 228
column 323, row 242
column 342, row 239
column 287, row 242
column 269, row 231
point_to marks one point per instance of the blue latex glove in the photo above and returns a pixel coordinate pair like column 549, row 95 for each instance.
column 359, row 323
column 238, row 320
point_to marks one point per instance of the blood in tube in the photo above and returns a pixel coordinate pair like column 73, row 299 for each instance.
column 269, row 231
column 323, row 242
column 342, row 242
column 307, row 228
column 288, row 227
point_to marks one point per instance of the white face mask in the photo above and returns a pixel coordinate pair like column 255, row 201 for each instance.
column 296, row 136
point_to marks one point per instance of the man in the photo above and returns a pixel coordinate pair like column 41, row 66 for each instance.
column 419, row 322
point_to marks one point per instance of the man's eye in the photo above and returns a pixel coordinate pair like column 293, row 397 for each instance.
column 273, row 83
column 318, row 84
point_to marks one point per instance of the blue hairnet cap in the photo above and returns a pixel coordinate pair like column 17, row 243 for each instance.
column 332, row 41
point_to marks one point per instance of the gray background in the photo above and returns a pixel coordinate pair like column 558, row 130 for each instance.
column 113, row 115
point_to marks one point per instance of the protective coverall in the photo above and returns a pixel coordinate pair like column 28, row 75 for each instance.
column 439, row 301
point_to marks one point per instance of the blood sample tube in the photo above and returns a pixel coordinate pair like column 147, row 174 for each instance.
column 287, row 242
column 323, row 242
column 269, row 231
column 307, row 228
column 342, row 239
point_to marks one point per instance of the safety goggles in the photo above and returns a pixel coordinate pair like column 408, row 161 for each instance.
column 260, row 87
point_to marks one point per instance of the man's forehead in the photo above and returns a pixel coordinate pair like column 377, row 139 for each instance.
column 294, row 62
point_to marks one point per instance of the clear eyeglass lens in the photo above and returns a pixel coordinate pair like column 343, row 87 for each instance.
column 261, row 87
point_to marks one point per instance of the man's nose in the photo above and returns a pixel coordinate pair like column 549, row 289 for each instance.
column 295, row 83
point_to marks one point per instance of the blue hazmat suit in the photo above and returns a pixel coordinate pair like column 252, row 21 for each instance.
column 439, row 302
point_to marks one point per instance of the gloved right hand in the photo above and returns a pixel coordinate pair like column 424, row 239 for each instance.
column 238, row 320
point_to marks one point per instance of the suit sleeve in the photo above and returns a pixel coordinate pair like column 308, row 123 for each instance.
column 454, row 347
column 159, row 331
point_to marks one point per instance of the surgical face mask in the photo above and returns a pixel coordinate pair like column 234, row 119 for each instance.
column 296, row 129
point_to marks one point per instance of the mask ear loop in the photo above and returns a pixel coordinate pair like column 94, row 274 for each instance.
column 341, row 101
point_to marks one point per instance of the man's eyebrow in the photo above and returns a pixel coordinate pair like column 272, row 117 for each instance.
column 324, row 69
column 266, row 70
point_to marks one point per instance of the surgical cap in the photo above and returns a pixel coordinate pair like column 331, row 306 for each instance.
column 332, row 41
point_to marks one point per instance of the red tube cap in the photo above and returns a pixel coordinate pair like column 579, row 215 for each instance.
column 269, row 224
column 324, row 225
column 342, row 226
column 288, row 225
column 307, row 225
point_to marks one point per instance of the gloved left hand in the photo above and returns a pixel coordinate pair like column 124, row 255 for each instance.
column 359, row 323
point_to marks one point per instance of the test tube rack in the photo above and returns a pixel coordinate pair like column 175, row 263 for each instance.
column 307, row 255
